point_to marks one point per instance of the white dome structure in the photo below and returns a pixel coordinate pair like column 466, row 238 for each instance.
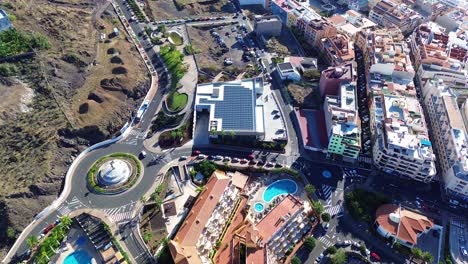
column 114, row 172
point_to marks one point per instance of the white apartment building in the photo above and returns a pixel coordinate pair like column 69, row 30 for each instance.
column 450, row 137
column 401, row 144
column 388, row 13
column 438, row 55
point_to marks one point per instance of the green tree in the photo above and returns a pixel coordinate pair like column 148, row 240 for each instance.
column 331, row 250
column 427, row 257
column 143, row 199
column 417, row 253
column 162, row 28
column 326, row 217
column 309, row 243
column 32, row 241
column 12, row 17
column 362, row 249
column 318, row 207
column 296, row 260
column 310, row 189
column 147, row 236
column 339, row 257
column 66, row 220
column 232, row 134
column 311, row 74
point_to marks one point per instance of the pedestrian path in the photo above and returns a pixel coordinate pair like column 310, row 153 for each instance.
column 70, row 206
column 335, row 210
column 325, row 241
column 122, row 213
column 326, row 192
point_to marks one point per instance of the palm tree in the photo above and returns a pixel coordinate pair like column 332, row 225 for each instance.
column 32, row 241
column 232, row 134
column 66, row 220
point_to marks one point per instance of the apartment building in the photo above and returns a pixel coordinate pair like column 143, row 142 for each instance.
column 358, row 5
column 439, row 56
column 337, row 50
column 389, row 13
column 343, row 125
column 454, row 20
column 308, row 23
column 332, row 78
column 351, row 23
column 450, row 136
column 401, row 144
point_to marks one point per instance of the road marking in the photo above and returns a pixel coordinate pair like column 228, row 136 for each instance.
column 327, row 243
column 122, row 213
column 335, row 210
column 68, row 207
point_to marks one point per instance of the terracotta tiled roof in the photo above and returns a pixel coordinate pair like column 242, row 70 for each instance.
column 273, row 221
column 411, row 223
column 183, row 247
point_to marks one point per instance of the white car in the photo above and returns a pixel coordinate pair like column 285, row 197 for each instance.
column 319, row 258
column 463, row 251
column 218, row 157
column 201, row 156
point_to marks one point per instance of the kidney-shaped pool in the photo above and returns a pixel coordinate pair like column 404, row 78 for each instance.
column 279, row 187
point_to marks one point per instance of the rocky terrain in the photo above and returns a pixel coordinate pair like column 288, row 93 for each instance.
column 56, row 103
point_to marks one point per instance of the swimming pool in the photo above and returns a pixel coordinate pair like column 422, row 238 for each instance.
column 259, row 207
column 278, row 188
column 78, row 257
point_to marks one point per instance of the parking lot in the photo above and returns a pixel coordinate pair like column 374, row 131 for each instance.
column 228, row 48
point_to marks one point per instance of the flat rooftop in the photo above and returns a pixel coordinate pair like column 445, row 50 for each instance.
column 232, row 105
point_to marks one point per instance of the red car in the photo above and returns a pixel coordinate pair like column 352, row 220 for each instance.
column 196, row 152
column 374, row 255
column 48, row 228
column 250, row 156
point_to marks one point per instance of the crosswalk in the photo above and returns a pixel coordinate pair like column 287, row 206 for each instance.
column 70, row 206
column 325, row 241
column 335, row 210
column 122, row 213
column 138, row 134
column 326, row 192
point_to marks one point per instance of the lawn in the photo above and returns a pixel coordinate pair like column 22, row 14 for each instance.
column 176, row 38
column 176, row 101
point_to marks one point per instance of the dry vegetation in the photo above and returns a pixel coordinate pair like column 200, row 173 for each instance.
column 170, row 9
column 305, row 96
column 44, row 125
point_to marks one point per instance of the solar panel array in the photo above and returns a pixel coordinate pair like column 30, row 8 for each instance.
column 237, row 108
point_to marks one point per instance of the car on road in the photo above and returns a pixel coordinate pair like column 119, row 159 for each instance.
column 201, row 156
column 326, row 227
column 196, row 152
column 463, row 251
column 142, row 154
column 40, row 236
column 319, row 258
column 183, row 158
column 375, row 256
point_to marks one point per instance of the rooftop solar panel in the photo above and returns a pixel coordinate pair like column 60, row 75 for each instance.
column 237, row 108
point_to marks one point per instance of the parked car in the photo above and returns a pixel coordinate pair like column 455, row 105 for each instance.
column 227, row 159
column 319, row 258
column 218, row 157
column 250, row 157
column 48, row 228
column 235, row 160
column 183, row 158
column 326, row 227
column 40, row 236
column 201, row 156
column 196, row 152
column 375, row 256
column 463, row 251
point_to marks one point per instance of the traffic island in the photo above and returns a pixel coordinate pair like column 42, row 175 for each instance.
column 114, row 173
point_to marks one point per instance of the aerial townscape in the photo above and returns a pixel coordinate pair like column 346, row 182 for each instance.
column 234, row 131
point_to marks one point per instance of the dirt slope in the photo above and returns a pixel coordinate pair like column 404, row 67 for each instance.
column 77, row 93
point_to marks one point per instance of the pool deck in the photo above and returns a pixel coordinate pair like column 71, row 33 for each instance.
column 72, row 246
column 256, row 189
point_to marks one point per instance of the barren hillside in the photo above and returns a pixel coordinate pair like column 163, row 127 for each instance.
column 78, row 92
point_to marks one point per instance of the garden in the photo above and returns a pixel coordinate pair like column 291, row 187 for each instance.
column 94, row 184
column 176, row 38
column 174, row 60
column 43, row 251
column 363, row 204
column 177, row 137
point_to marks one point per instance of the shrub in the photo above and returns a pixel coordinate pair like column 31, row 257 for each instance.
column 8, row 69
column 309, row 243
column 339, row 257
column 116, row 60
column 326, row 217
column 296, row 260
column 310, row 189
column 119, row 70
column 331, row 250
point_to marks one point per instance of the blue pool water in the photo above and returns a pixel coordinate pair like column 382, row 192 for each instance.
column 278, row 188
column 259, row 207
column 78, row 257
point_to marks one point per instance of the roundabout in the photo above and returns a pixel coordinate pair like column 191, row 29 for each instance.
column 114, row 173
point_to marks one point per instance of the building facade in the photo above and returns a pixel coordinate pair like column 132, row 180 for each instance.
column 389, row 13
column 342, row 122
column 268, row 26
column 401, row 144
column 450, row 136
